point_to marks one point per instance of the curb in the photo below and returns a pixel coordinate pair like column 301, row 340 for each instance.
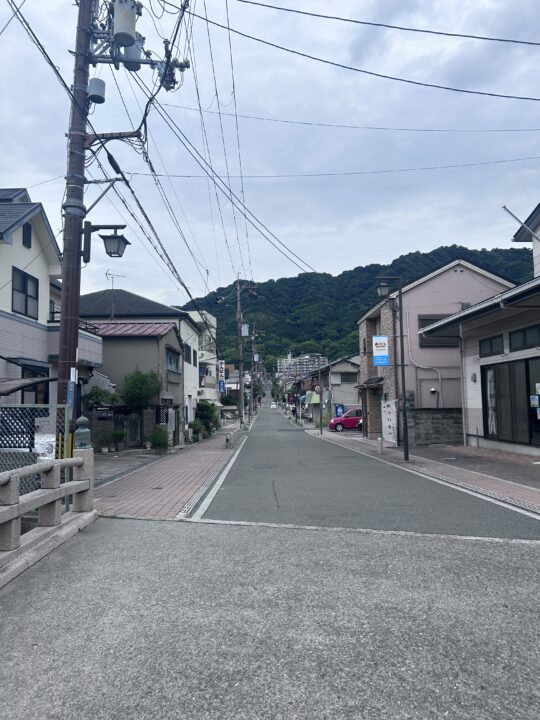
column 52, row 538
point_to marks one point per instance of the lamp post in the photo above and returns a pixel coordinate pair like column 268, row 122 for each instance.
column 115, row 245
column 383, row 291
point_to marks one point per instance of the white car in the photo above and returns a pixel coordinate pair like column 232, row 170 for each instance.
column 273, row 405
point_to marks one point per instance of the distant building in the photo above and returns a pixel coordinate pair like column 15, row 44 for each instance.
column 293, row 368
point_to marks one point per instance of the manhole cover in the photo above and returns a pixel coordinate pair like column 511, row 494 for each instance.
column 156, row 488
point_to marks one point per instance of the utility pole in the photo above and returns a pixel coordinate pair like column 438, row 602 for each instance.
column 240, row 353
column 320, row 396
column 252, row 389
column 112, row 41
column 74, row 210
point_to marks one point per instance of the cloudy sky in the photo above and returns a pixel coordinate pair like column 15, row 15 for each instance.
column 343, row 214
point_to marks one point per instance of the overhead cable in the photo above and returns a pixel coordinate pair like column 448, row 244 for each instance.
column 466, row 36
column 370, row 73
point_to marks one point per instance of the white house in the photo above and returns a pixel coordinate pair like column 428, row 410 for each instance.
column 500, row 361
column 29, row 304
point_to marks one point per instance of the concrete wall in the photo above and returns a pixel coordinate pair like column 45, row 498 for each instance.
column 431, row 427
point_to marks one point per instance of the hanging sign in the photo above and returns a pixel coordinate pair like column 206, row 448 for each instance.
column 221, row 369
column 381, row 354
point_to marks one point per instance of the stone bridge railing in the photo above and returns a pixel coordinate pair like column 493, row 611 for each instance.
column 48, row 500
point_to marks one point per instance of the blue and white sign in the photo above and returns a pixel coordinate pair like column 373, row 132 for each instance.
column 222, row 386
column 340, row 410
column 381, row 355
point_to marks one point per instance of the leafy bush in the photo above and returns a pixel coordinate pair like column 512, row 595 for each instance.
column 98, row 397
column 140, row 389
column 207, row 414
column 159, row 437
column 199, row 430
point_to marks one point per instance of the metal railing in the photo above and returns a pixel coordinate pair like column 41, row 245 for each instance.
column 48, row 499
column 31, row 433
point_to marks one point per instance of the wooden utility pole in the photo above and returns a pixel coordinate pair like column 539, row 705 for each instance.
column 74, row 209
column 240, row 353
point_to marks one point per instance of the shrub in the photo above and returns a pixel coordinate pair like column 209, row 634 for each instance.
column 206, row 413
column 98, row 397
column 159, row 437
column 140, row 389
column 199, row 430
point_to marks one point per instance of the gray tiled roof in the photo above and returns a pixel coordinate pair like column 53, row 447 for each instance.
column 14, row 214
column 126, row 305
column 11, row 194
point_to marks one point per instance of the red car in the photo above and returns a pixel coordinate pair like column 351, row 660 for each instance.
column 351, row 420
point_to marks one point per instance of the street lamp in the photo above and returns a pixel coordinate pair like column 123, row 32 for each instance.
column 115, row 245
column 383, row 291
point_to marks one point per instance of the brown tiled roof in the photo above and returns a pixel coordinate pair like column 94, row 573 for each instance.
column 134, row 329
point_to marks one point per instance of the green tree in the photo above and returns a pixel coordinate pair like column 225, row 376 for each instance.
column 98, row 397
column 207, row 414
column 140, row 389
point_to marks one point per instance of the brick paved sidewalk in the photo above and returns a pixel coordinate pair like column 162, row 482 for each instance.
column 513, row 492
column 168, row 487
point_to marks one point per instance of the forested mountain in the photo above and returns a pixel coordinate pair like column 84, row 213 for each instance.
column 317, row 312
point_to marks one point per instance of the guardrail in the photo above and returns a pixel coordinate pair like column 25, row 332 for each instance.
column 48, row 500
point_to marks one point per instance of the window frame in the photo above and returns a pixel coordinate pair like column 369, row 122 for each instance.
column 491, row 350
column 443, row 341
column 522, row 332
column 25, row 277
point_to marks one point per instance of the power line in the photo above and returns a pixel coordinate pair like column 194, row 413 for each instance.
column 167, row 202
column 242, row 193
column 206, row 151
column 341, row 126
column 223, row 137
column 370, row 73
column 13, row 14
column 225, row 190
column 164, row 255
column 394, row 27
column 383, row 171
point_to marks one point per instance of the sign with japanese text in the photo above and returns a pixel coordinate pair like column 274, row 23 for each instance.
column 221, row 369
column 381, row 355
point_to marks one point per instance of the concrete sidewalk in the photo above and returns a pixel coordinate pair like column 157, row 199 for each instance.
column 504, row 476
column 170, row 486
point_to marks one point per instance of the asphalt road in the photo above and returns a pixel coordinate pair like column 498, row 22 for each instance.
column 135, row 620
column 210, row 620
column 282, row 475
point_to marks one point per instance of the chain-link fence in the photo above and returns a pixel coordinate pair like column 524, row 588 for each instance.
column 32, row 432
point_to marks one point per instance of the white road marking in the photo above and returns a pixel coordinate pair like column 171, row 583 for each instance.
column 446, row 483
column 214, row 491
column 364, row 531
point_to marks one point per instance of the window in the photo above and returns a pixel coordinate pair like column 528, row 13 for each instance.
column 27, row 235
column 195, row 358
column 449, row 336
column 173, row 361
column 24, row 294
column 35, row 394
column 187, row 353
column 348, row 377
column 491, row 346
column 528, row 337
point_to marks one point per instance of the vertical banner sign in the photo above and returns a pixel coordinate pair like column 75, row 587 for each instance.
column 221, row 376
column 381, row 354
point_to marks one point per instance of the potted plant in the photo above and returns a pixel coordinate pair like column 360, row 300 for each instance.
column 160, row 438
column 119, row 437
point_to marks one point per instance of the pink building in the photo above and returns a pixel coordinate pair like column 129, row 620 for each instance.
column 432, row 364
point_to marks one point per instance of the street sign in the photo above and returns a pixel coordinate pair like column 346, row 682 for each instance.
column 70, row 398
column 222, row 386
column 381, row 354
